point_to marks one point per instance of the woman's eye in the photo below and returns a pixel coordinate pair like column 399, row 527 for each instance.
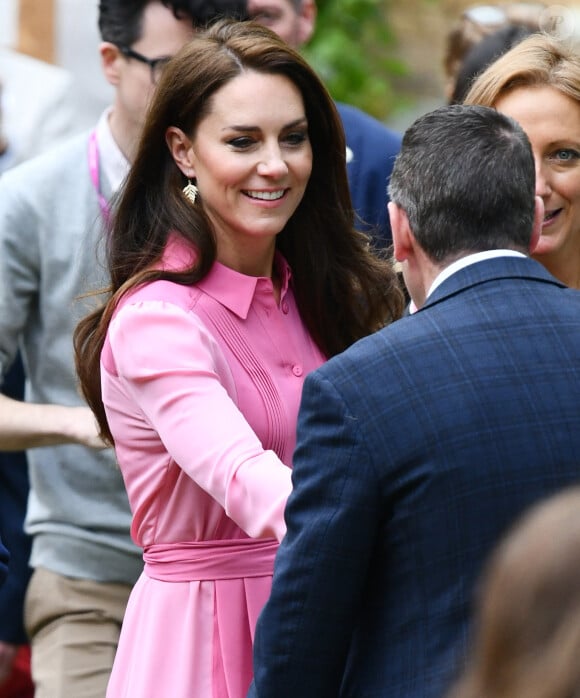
column 241, row 142
column 566, row 154
column 296, row 137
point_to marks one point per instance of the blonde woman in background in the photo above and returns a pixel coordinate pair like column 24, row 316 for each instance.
column 538, row 84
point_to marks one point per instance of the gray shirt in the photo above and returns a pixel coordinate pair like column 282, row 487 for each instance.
column 51, row 253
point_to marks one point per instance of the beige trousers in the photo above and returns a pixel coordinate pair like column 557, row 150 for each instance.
column 74, row 627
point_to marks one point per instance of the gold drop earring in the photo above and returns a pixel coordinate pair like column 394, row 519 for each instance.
column 190, row 191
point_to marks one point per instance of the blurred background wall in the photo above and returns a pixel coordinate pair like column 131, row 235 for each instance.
column 63, row 32
column 383, row 55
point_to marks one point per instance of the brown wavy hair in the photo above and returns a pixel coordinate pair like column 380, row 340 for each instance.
column 344, row 290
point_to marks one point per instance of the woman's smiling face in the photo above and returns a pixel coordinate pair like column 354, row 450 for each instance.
column 251, row 158
column 551, row 121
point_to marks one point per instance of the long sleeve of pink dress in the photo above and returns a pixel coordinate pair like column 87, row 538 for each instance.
column 202, row 387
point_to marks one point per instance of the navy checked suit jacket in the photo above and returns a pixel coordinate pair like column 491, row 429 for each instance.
column 4, row 557
column 416, row 448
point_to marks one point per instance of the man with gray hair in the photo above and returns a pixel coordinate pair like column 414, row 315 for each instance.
column 418, row 446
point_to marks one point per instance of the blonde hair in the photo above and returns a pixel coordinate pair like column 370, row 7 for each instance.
column 539, row 60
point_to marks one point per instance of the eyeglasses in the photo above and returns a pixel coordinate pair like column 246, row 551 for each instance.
column 156, row 65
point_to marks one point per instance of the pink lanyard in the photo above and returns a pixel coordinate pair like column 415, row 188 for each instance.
column 94, row 172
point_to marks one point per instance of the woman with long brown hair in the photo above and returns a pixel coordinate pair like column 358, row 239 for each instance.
column 235, row 270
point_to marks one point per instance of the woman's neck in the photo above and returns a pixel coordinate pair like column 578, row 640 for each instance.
column 251, row 260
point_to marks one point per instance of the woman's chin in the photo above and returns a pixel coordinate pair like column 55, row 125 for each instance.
column 547, row 245
column 556, row 258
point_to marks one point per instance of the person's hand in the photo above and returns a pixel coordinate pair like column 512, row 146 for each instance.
column 25, row 425
column 7, row 656
column 84, row 429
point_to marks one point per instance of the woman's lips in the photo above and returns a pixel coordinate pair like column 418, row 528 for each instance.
column 550, row 217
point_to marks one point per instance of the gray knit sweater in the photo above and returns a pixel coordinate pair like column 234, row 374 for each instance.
column 50, row 235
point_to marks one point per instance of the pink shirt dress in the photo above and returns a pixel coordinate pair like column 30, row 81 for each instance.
column 202, row 387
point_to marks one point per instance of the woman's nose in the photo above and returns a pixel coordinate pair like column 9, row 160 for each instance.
column 272, row 164
column 543, row 186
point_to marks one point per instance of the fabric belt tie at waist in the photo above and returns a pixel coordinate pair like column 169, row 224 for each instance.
column 210, row 560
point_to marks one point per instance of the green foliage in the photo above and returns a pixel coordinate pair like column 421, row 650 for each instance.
column 352, row 50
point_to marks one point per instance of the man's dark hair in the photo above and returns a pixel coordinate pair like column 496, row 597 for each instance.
column 205, row 12
column 465, row 177
column 121, row 21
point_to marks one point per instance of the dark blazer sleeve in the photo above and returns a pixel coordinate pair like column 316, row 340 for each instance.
column 14, row 488
column 4, row 557
column 304, row 631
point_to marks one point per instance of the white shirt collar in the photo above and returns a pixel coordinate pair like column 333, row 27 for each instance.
column 114, row 165
column 461, row 264
column 466, row 261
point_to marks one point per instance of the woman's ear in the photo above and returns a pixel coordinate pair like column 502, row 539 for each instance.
column 181, row 149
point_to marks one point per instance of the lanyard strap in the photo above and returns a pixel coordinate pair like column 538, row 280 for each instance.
column 94, row 172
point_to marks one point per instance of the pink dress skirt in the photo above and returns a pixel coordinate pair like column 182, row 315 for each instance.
column 205, row 650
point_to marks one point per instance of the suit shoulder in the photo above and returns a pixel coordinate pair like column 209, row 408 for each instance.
column 358, row 124
column 385, row 347
column 573, row 294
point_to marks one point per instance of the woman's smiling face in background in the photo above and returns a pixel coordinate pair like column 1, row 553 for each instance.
column 551, row 121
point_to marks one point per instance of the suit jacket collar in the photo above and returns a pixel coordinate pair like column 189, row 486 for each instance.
column 490, row 270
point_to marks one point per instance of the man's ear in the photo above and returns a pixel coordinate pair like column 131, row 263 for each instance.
column 111, row 59
column 181, row 149
column 538, row 220
column 306, row 20
column 401, row 231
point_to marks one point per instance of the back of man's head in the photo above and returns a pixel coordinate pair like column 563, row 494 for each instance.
column 465, row 177
column 120, row 21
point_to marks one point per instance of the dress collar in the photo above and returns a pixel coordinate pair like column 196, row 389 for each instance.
column 230, row 288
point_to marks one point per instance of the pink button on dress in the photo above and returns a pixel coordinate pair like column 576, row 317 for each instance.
column 202, row 394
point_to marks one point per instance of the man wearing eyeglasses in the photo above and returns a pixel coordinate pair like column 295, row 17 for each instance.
column 53, row 211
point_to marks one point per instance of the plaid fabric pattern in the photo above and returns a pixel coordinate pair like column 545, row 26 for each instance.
column 416, row 448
